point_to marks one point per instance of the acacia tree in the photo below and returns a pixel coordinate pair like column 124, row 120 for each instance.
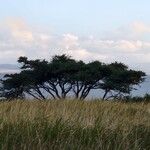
column 62, row 68
column 30, row 79
column 63, row 75
column 54, row 77
column 34, row 73
column 88, row 77
column 120, row 81
column 58, row 77
column 12, row 87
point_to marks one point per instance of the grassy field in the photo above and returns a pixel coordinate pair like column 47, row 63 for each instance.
column 74, row 125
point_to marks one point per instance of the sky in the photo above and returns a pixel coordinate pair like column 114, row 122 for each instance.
column 104, row 30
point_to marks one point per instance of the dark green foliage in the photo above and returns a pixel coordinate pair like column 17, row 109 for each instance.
column 88, row 77
column 120, row 81
column 13, row 86
column 63, row 76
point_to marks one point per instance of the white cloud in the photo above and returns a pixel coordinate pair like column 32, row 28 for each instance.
column 127, row 44
column 134, row 31
column 140, row 27
column 23, row 35
column 19, row 30
column 69, row 41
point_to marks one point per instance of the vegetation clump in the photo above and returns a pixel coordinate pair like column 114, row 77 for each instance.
column 64, row 77
column 74, row 124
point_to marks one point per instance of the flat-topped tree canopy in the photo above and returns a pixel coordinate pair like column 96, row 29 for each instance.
column 62, row 76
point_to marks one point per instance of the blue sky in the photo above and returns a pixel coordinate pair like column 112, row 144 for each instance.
column 108, row 30
column 79, row 16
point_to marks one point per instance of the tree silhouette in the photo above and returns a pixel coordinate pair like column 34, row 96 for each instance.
column 120, row 81
column 63, row 76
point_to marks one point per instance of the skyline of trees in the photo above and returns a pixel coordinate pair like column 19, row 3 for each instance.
column 64, row 77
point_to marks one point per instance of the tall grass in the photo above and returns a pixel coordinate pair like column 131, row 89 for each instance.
column 73, row 125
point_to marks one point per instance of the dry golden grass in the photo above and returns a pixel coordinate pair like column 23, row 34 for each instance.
column 73, row 124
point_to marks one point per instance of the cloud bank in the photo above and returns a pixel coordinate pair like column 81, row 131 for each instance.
column 129, row 44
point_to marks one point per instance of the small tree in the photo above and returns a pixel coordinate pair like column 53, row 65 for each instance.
column 88, row 77
column 35, row 73
column 54, row 77
column 12, row 86
column 120, row 81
